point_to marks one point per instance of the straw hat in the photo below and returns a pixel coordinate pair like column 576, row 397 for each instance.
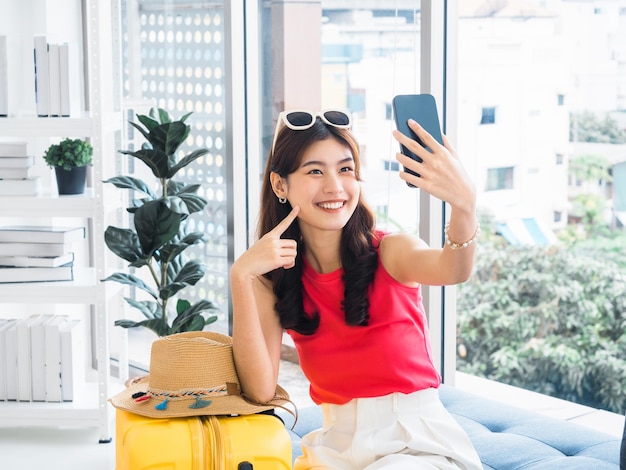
column 191, row 374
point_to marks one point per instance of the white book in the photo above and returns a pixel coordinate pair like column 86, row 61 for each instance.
column 4, row 78
column 4, row 325
column 36, row 261
column 42, row 77
column 34, row 249
column 55, row 80
column 17, row 162
column 25, row 187
column 10, row 274
column 53, row 357
column 13, row 149
column 24, row 379
column 14, row 173
column 41, row 234
column 10, row 359
column 72, row 358
column 64, row 72
column 38, row 357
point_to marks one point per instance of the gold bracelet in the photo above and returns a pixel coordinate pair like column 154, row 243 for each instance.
column 457, row 246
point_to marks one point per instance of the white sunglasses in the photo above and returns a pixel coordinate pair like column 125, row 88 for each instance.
column 299, row 120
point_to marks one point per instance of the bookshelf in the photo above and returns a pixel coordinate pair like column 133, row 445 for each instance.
column 91, row 27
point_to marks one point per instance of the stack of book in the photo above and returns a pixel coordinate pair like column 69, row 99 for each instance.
column 15, row 165
column 52, row 76
column 37, row 253
column 41, row 358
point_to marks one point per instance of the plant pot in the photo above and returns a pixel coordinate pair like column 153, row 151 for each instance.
column 71, row 181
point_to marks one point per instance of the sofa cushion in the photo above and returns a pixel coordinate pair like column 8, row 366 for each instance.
column 507, row 437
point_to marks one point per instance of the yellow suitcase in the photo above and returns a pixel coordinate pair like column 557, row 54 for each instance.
column 246, row 442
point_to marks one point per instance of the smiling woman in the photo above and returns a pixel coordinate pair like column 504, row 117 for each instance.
column 349, row 296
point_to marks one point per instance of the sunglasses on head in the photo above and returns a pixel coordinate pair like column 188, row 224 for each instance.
column 299, row 120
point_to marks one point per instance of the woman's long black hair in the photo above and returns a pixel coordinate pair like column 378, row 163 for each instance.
column 359, row 257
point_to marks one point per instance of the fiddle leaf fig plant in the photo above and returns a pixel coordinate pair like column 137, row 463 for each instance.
column 160, row 236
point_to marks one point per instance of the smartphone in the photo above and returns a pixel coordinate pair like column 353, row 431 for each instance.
column 421, row 108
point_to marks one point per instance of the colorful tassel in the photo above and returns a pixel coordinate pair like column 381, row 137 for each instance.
column 200, row 403
column 162, row 406
column 140, row 396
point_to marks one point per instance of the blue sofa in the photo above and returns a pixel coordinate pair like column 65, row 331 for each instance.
column 506, row 437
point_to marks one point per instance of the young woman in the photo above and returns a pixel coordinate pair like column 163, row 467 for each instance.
column 350, row 297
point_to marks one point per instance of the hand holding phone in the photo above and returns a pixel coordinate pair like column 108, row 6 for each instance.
column 421, row 108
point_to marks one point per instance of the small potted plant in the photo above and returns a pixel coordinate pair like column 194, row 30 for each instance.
column 70, row 159
column 159, row 236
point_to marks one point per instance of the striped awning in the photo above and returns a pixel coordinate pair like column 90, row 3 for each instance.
column 526, row 231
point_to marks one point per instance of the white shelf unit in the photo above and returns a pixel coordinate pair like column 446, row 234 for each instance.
column 100, row 205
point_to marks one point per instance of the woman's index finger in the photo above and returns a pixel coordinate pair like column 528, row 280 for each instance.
column 286, row 222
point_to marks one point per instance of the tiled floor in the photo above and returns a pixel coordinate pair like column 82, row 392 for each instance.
column 77, row 449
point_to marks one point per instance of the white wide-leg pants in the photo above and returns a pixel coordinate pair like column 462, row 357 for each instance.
column 396, row 431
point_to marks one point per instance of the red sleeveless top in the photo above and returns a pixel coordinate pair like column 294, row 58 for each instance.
column 391, row 354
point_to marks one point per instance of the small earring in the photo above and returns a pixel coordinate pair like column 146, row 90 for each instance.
column 282, row 200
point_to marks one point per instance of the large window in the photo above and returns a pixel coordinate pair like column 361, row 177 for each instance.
column 515, row 87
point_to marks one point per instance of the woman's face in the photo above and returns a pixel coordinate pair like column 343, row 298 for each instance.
column 324, row 186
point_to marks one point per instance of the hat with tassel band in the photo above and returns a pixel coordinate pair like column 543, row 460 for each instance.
column 191, row 374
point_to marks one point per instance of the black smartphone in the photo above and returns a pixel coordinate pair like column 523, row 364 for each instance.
column 421, row 108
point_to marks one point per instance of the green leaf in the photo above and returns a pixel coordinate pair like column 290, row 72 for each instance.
column 164, row 117
column 176, row 204
column 193, row 202
column 172, row 250
column 145, row 133
column 184, row 118
column 155, row 159
column 171, row 289
column 190, row 323
column 188, row 190
column 186, row 160
column 193, row 238
column 156, row 225
column 182, row 305
column 156, row 325
column 124, row 243
column 131, row 280
column 168, row 253
column 185, row 204
column 191, row 273
column 148, row 308
column 174, row 187
column 190, row 318
column 168, row 137
column 127, row 323
column 128, row 182
column 148, row 121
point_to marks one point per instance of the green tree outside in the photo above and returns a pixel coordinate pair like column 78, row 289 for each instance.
column 548, row 319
